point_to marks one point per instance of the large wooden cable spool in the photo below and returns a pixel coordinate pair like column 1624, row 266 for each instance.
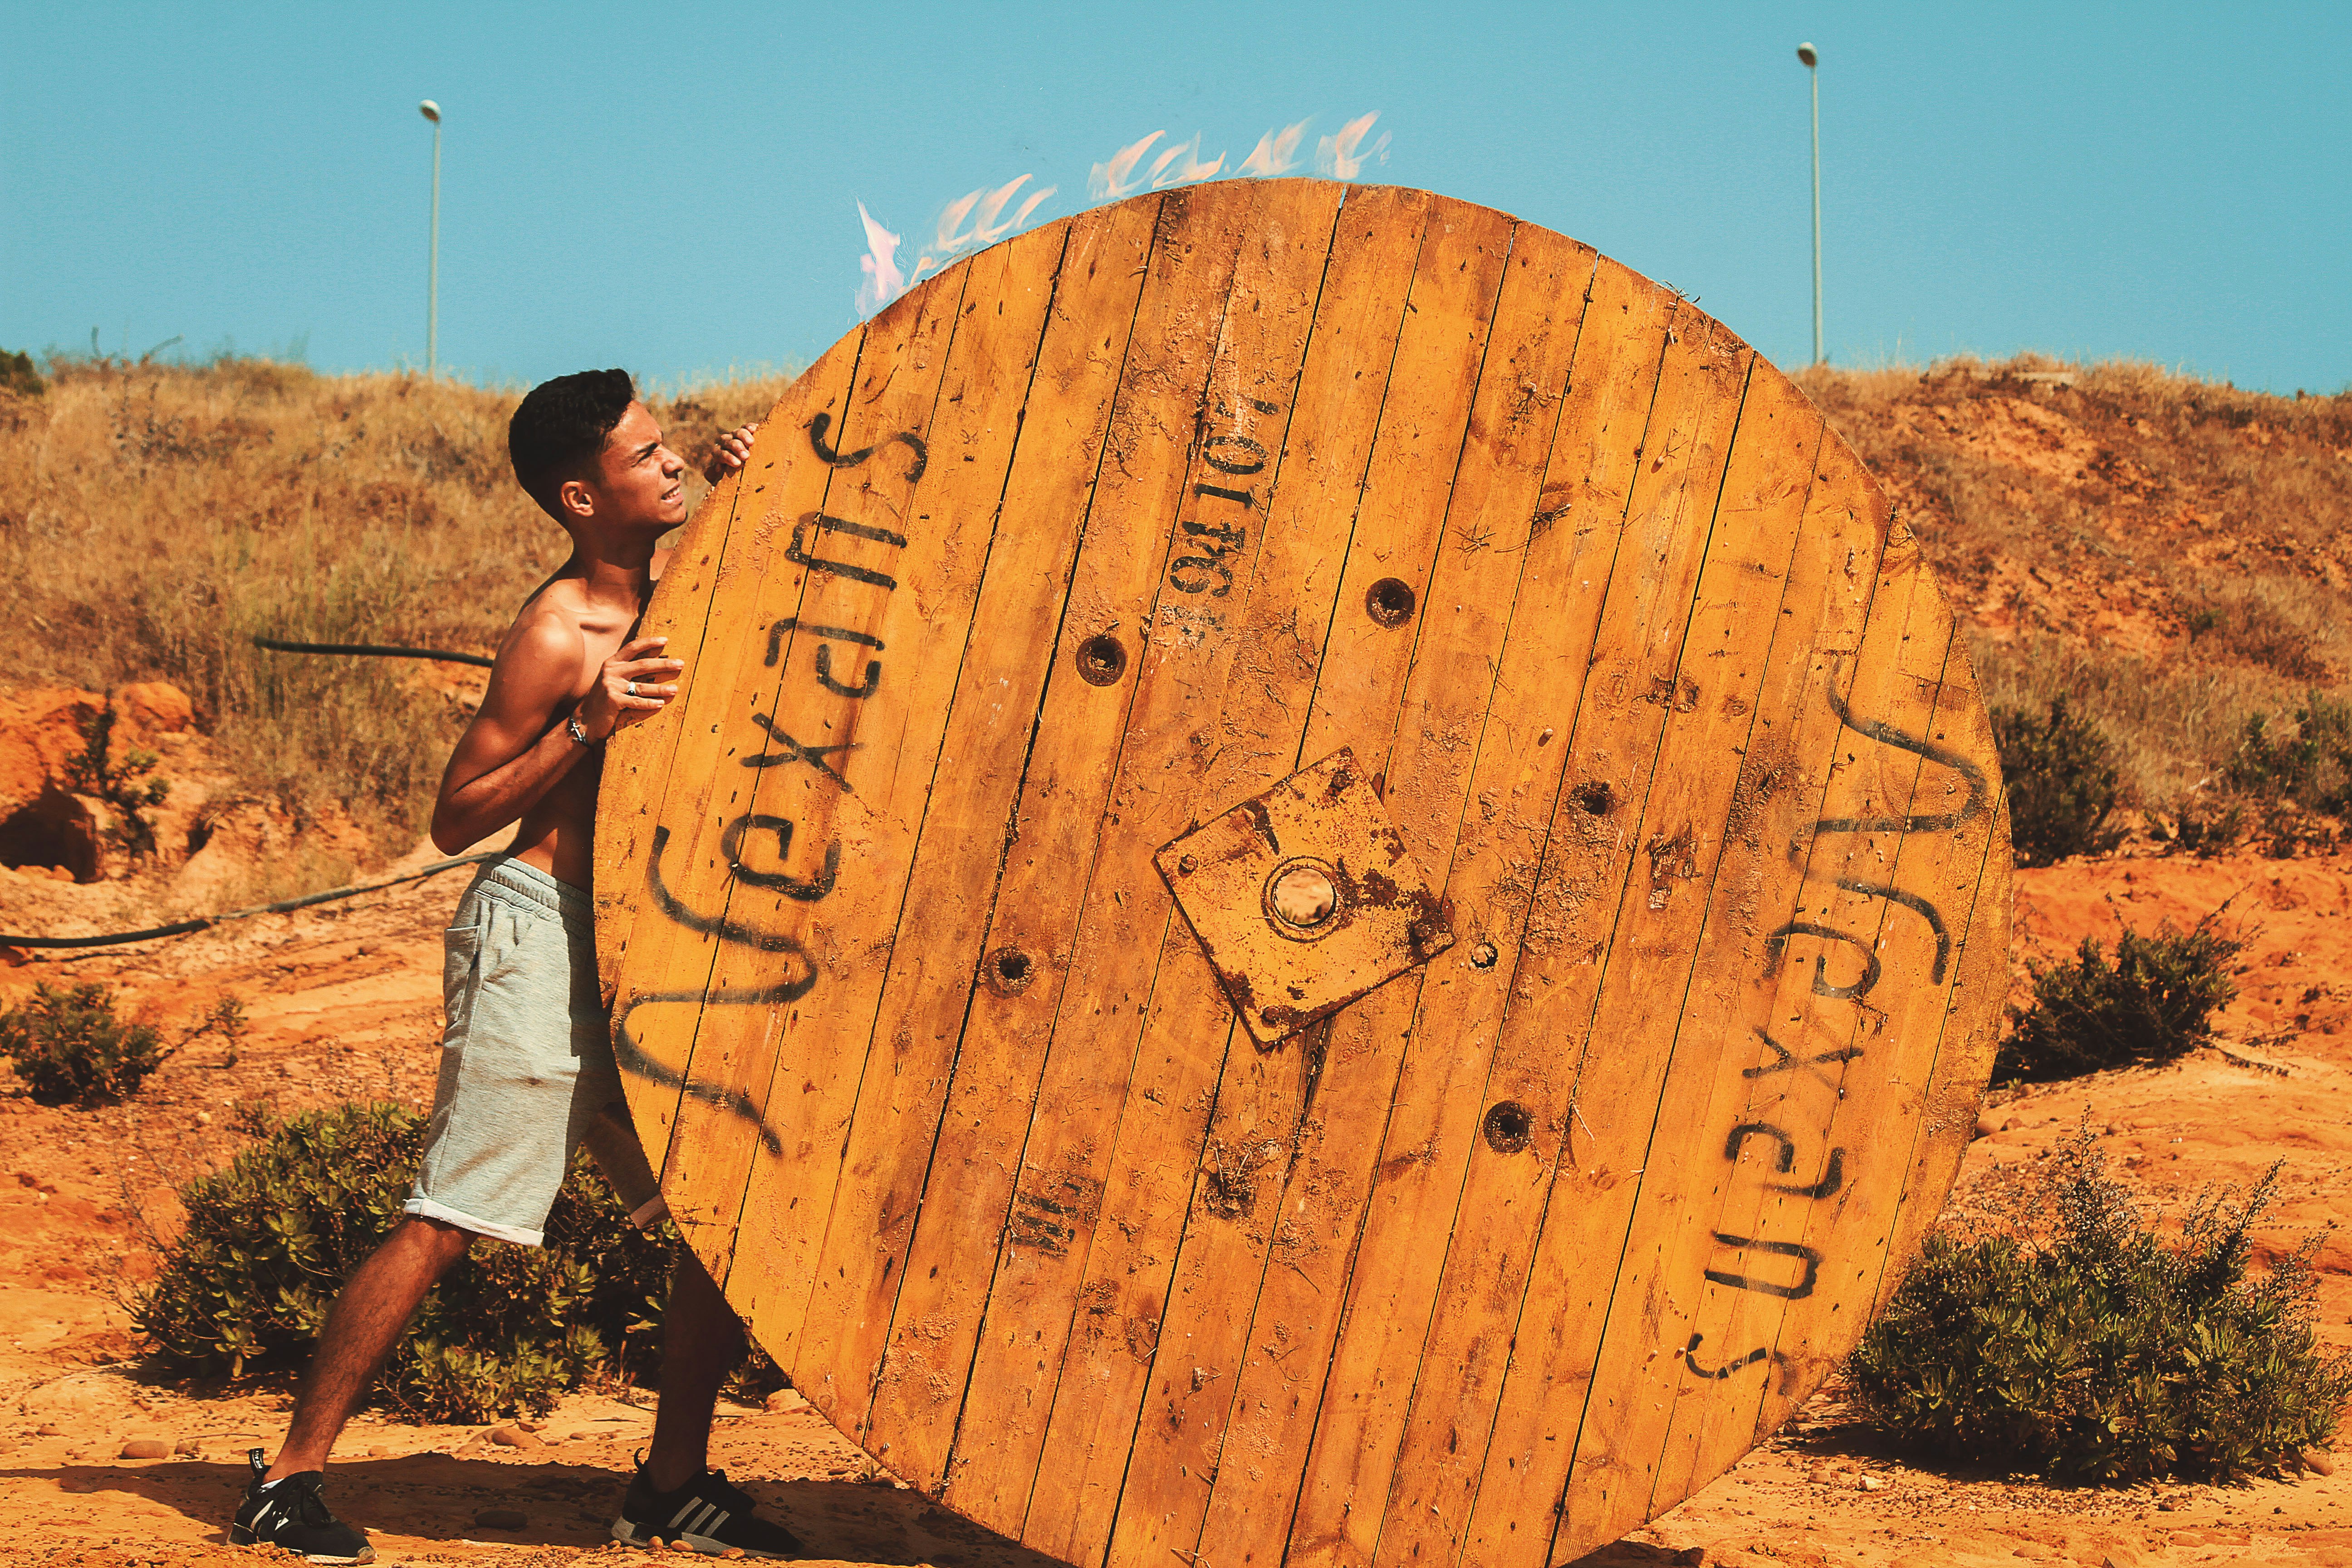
column 1327, row 887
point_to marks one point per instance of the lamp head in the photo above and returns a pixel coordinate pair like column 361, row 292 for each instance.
column 1805, row 53
column 432, row 110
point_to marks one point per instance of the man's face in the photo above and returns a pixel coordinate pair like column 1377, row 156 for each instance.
column 638, row 479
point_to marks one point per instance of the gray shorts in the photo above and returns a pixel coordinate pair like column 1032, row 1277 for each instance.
column 526, row 1071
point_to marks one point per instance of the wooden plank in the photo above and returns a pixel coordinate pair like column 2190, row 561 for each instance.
column 1494, row 629
column 941, row 938
column 1592, row 893
column 637, row 763
column 968, row 1192
column 1712, row 692
column 1126, row 1139
column 1317, row 1218
column 1568, row 521
column 951, row 522
column 661, row 829
column 827, row 753
column 1294, row 599
column 1711, row 1372
column 1930, row 886
column 1615, row 1460
column 1823, row 600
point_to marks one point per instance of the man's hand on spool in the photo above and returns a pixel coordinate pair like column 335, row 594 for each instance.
column 734, row 451
column 631, row 687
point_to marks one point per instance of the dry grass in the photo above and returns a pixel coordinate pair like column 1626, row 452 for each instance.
column 2170, row 554
column 154, row 519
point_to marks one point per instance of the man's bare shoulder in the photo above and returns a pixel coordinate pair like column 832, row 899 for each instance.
column 547, row 635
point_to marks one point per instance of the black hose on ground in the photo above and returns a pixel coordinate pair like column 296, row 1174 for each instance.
column 182, row 928
column 378, row 650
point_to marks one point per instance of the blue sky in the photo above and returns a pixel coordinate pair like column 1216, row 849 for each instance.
column 675, row 188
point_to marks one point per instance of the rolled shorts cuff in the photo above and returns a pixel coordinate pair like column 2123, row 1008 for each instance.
column 426, row 1208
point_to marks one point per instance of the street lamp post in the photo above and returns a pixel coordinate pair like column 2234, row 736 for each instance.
column 1812, row 59
column 431, row 111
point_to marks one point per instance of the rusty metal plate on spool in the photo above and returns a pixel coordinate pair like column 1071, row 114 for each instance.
column 1119, row 524
column 1305, row 898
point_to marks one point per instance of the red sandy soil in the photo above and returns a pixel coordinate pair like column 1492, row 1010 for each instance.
column 344, row 1000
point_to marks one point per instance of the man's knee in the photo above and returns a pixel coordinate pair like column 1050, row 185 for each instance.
column 438, row 1240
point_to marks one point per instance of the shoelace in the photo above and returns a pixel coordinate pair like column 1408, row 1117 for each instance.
column 299, row 1497
column 314, row 1505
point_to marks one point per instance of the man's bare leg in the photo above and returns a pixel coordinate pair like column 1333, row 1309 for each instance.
column 701, row 1342
column 370, row 1313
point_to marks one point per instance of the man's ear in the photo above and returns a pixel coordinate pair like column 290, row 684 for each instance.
column 577, row 500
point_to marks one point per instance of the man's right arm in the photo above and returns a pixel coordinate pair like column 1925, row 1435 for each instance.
column 517, row 746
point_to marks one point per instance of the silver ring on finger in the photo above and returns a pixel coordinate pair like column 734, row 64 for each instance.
column 630, row 687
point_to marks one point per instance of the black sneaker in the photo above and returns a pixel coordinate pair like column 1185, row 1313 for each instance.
column 706, row 1515
column 289, row 1513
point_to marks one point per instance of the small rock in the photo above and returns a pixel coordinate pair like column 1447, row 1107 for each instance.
column 2164, row 1505
column 786, row 1399
column 514, row 1437
column 48, row 1429
column 189, row 1448
column 147, row 1448
column 155, row 707
column 2011, row 1125
column 2317, row 1462
column 1984, row 1128
column 1872, row 1484
column 377, row 1450
column 1818, row 1475
column 501, row 1519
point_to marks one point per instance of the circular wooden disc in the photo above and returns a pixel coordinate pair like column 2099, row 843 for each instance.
column 1113, row 527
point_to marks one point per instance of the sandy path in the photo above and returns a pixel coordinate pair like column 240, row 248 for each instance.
column 345, row 1001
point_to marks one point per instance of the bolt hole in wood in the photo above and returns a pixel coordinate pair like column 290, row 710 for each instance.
column 1483, row 956
column 1510, row 1126
column 1009, row 971
column 1302, row 895
column 1101, row 660
column 1594, row 797
column 1390, row 601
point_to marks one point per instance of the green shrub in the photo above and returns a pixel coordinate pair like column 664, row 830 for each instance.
column 2311, row 766
column 70, row 1048
column 270, row 1240
column 17, row 375
column 2060, row 774
column 2154, row 1002
column 122, row 784
column 2102, row 1354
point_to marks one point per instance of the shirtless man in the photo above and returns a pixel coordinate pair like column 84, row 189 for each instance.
column 527, row 1068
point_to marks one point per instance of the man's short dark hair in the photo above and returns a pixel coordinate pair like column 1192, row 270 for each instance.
column 562, row 426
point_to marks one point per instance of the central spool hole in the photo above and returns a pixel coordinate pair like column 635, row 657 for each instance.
column 1304, row 896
